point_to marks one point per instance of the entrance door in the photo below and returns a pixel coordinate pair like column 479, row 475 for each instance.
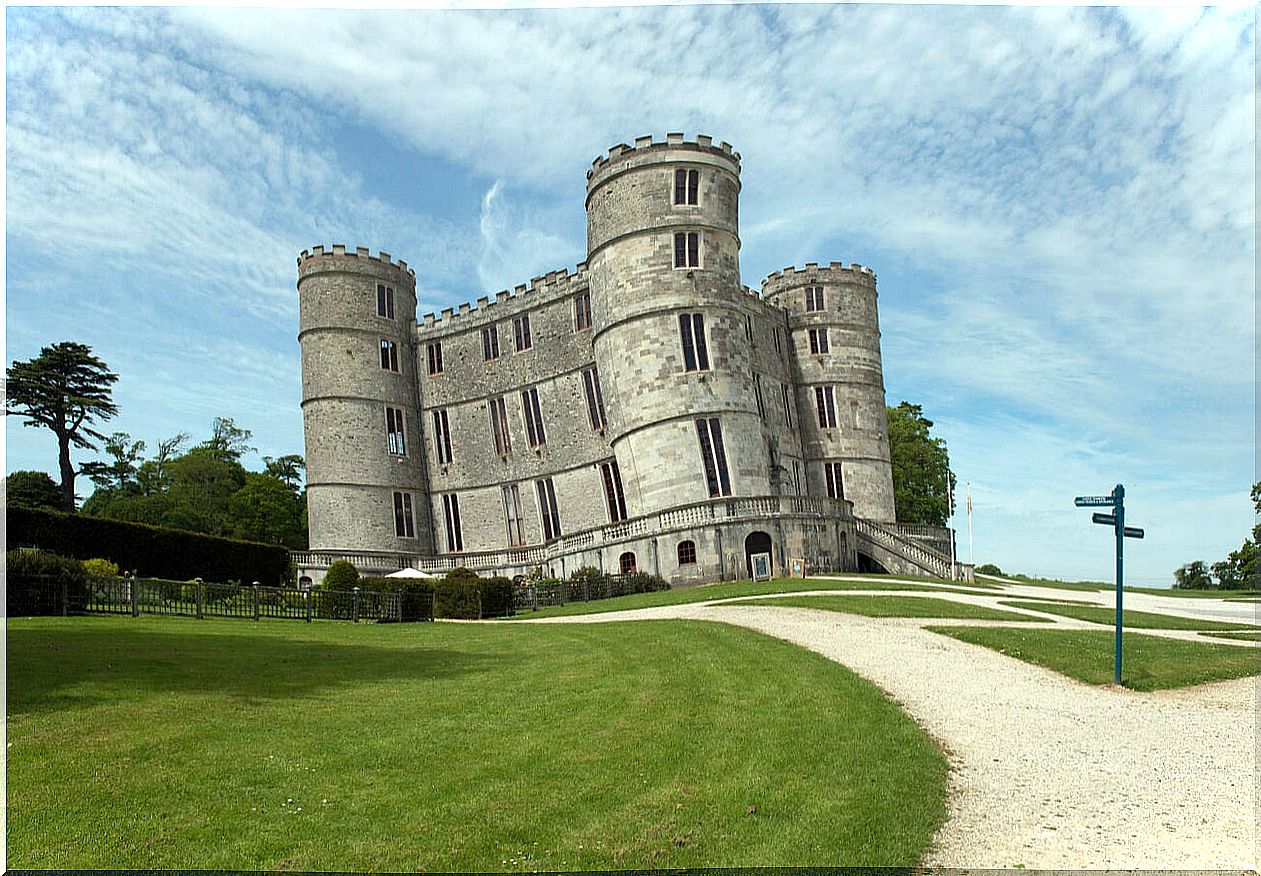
column 755, row 543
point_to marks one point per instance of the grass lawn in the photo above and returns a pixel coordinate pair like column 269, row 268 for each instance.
column 228, row 744
column 894, row 606
column 1193, row 594
column 1092, row 586
column 1247, row 637
column 1149, row 662
column 729, row 590
column 1139, row 620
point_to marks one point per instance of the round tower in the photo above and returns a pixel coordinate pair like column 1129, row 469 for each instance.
column 835, row 336
column 663, row 261
column 365, row 484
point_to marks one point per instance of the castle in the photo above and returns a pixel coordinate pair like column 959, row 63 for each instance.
column 644, row 412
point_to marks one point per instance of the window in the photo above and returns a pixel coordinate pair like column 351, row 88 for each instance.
column 404, row 523
column 692, row 333
column 582, row 312
column 626, row 562
column 521, row 333
column 490, row 342
column 713, row 457
column 451, row 515
column 595, row 398
column 613, row 490
column 394, row 430
column 748, row 328
column 499, row 426
column 797, row 477
column 814, row 298
column 389, row 355
column 836, row 484
column 788, row 405
column 779, row 341
column 687, row 553
column 512, row 515
column 687, row 249
column 686, row 186
column 441, row 437
column 533, row 417
column 826, row 407
column 818, row 340
column 757, row 393
column 547, row 509
column 435, row 357
column 385, row 301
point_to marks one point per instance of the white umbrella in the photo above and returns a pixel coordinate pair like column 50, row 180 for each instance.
column 409, row 572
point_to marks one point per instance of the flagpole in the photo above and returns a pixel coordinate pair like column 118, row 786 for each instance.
column 971, row 560
column 950, row 513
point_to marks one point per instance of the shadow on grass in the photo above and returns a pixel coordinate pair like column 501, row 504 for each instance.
column 75, row 665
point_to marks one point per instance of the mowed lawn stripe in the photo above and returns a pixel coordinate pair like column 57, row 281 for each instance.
column 173, row 743
column 894, row 606
column 1145, row 620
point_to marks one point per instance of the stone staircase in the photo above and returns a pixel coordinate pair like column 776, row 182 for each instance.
column 910, row 550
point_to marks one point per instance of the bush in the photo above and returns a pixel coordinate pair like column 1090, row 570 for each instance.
column 459, row 573
column 496, row 597
column 341, row 575
column 587, row 582
column 415, row 595
column 152, row 550
column 34, row 583
column 988, row 569
column 458, row 595
column 644, row 582
column 100, row 568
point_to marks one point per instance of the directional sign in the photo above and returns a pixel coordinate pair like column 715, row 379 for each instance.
column 1093, row 501
column 1133, row 532
column 1108, row 519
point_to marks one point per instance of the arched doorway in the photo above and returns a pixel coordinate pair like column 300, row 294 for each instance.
column 756, row 543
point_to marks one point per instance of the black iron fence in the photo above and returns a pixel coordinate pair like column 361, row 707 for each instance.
column 136, row 596
column 538, row 594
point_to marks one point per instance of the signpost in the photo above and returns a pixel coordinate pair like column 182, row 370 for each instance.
column 1115, row 500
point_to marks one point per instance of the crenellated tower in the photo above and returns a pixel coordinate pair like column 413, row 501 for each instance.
column 669, row 334
column 366, row 489
column 835, row 341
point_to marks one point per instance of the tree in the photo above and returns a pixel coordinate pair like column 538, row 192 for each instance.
column 1193, row 576
column 266, row 509
column 120, row 473
column 228, row 442
column 202, row 483
column 921, row 468
column 34, row 489
column 154, row 475
column 287, row 468
column 66, row 389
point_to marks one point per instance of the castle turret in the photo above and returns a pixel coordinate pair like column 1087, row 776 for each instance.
column 365, row 484
column 670, row 335
column 835, row 339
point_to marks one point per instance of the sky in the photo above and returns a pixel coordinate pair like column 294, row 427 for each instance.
column 1058, row 203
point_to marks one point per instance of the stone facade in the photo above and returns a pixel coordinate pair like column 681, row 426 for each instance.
column 657, row 398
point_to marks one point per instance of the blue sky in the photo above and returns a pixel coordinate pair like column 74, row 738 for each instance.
column 1059, row 203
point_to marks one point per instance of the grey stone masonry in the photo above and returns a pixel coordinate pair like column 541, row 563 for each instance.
column 669, row 409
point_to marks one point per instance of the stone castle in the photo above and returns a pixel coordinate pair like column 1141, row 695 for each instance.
column 645, row 412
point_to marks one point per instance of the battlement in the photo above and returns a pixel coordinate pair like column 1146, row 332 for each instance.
column 702, row 143
column 540, row 290
column 788, row 277
column 314, row 259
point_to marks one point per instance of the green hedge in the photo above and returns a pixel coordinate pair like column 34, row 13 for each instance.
column 151, row 550
column 416, row 595
column 34, row 583
column 457, row 598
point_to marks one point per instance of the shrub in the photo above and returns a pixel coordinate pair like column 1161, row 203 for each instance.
column 496, row 596
column 644, row 582
column 415, row 595
column 459, row 573
column 587, row 582
column 34, row 583
column 101, row 568
column 458, row 596
column 988, row 569
column 341, row 575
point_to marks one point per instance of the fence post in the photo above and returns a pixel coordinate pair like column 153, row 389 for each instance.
column 479, row 603
column 306, row 594
column 135, row 596
column 65, row 595
column 354, row 611
column 201, row 599
column 255, row 589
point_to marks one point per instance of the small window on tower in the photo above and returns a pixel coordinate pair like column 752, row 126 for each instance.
column 582, row 312
column 686, row 186
column 435, row 357
column 687, row 249
column 814, row 298
column 521, row 333
column 389, row 355
column 385, row 301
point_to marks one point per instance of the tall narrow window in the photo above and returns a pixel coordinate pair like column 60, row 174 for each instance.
column 826, row 406
column 836, row 484
column 582, row 312
column 441, row 437
column 595, row 398
column 547, row 509
column 404, row 523
column 499, row 426
column 613, row 490
column 788, row 405
column 521, row 332
column 692, row 335
column 686, row 186
column 748, row 328
column 779, row 341
column 435, row 357
column 394, row 431
column 818, row 340
column 490, row 342
column 814, row 298
column 713, row 456
column 797, row 477
column 687, row 249
column 757, row 394
column 385, row 301
column 512, row 515
column 451, row 515
column 389, row 355
column 533, row 417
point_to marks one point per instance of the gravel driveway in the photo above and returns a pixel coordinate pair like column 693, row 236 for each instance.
column 1046, row 772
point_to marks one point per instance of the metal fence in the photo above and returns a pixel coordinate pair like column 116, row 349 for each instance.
column 538, row 594
column 137, row 596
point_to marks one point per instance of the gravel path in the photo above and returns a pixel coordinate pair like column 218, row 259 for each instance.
column 1046, row 772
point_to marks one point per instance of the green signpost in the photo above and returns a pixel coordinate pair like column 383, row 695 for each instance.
column 1115, row 500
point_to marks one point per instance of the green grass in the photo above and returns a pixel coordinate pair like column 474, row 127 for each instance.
column 1247, row 637
column 1139, row 620
column 1091, row 586
column 894, row 606
column 222, row 744
column 1190, row 594
column 729, row 590
column 1149, row 662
